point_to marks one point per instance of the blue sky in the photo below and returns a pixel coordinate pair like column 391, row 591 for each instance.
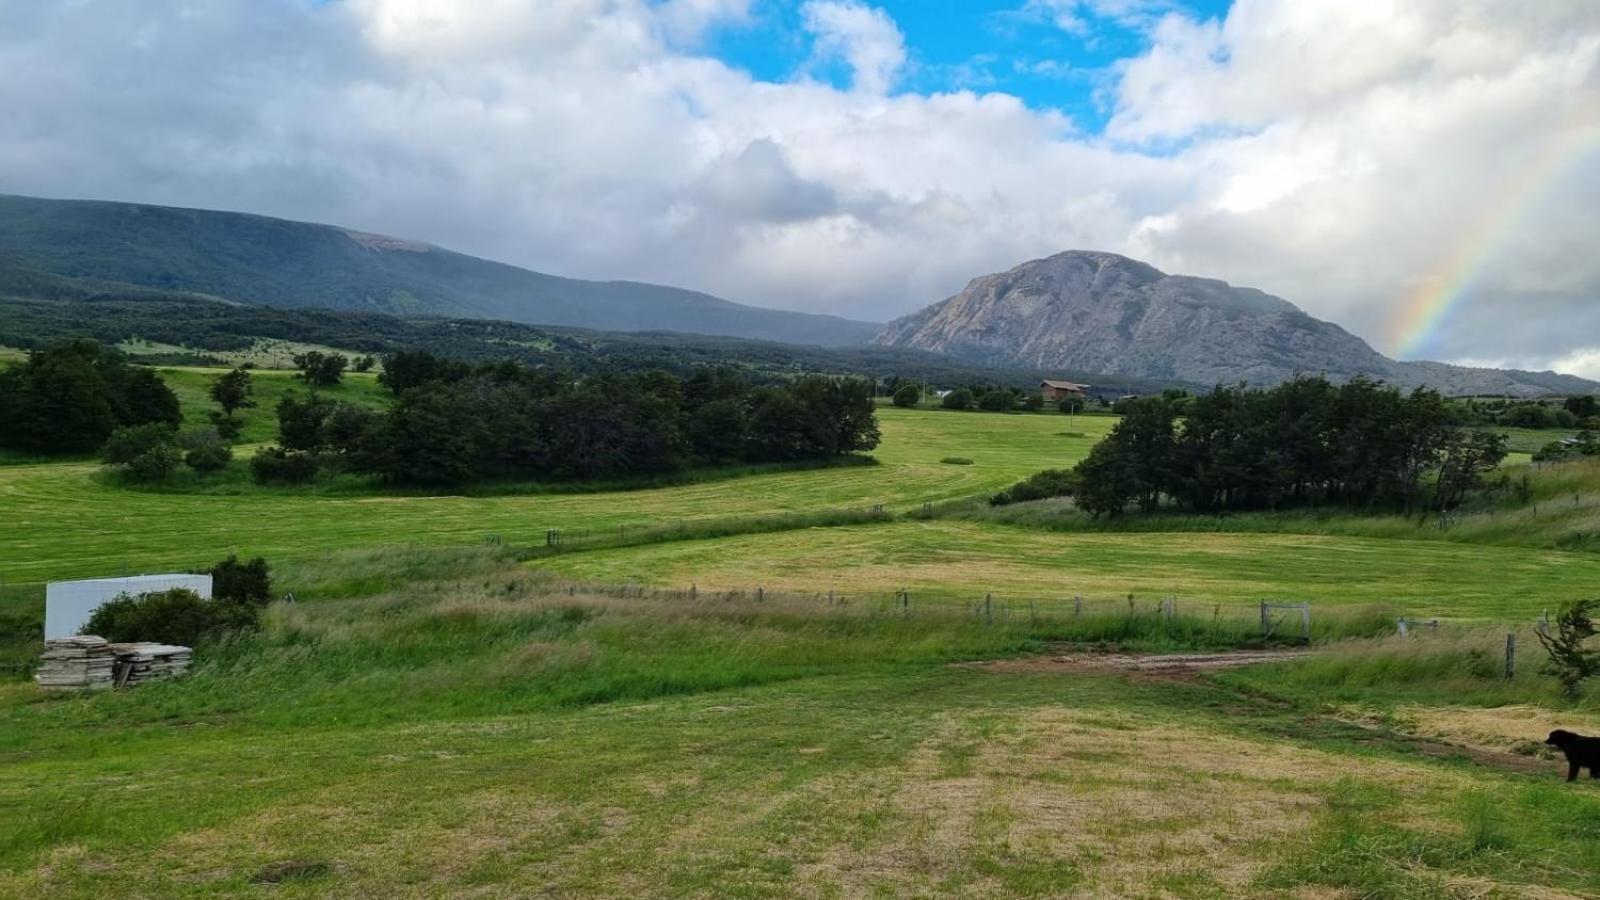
column 982, row 45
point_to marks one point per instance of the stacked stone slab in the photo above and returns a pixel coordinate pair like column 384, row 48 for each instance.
column 144, row 661
column 81, row 662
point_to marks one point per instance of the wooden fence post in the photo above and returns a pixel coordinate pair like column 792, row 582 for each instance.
column 1402, row 626
column 1511, row 655
column 1077, row 606
column 1305, row 621
column 988, row 609
column 1266, row 624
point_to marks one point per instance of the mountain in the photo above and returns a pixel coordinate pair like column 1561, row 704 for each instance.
column 182, row 329
column 274, row 262
column 1101, row 312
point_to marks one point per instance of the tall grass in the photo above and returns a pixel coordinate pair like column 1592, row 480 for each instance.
column 1454, row 666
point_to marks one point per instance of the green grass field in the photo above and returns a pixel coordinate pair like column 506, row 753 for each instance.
column 441, row 715
column 962, row 561
column 484, row 735
column 67, row 523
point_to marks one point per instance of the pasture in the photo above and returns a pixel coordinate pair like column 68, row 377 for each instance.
column 447, row 715
column 487, row 735
column 958, row 562
column 67, row 522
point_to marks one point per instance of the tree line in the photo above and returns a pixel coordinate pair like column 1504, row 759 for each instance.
column 453, row 423
column 71, row 398
column 1305, row 442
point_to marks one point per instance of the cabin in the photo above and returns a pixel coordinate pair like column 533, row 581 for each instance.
column 1060, row 390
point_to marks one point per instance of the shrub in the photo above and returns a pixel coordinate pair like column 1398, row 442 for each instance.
column 1571, row 662
column 146, row 453
column 275, row 465
column 997, row 401
column 960, row 398
column 1033, row 403
column 205, row 451
column 1040, row 486
column 242, row 582
column 909, row 395
column 1070, row 405
column 178, row 616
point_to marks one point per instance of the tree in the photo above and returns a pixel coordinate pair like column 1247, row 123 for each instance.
column 320, row 369
column 242, row 582
column 1070, row 404
column 1583, row 407
column 1571, row 662
column 907, row 396
column 960, row 398
column 233, row 391
column 1466, row 456
column 718, row 431
column 146, row 453
column 70, row 397
column 414, row 368
column 365, row 363
column 997, row 400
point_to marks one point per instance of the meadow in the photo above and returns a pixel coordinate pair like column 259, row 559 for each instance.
column 490, row 734
column 67, row 522
column 452, row 708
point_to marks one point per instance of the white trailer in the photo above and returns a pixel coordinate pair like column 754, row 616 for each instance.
column 68, row 604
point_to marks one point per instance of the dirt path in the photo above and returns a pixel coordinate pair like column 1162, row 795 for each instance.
column 1174, row 665
column 1192, row 666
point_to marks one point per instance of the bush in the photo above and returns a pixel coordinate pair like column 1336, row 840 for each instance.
column 242, row 582
column 1033, row 403
column 909, row 395
column 1070, row 405
column 960, row 398
column 146, row 453
column 1040, row 486
column 205, row 451
column 178, row 616
column 275, row 465
column 1571, row 662
column 997, row 401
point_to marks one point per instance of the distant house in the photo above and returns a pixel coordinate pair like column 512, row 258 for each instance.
column 1060, row 390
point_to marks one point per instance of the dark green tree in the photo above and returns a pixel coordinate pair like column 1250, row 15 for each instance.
column 960, row 398
column 907, row 395
column 233, row 391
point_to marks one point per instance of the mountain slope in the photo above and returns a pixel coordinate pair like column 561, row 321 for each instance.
column 274, row 262
column 1107, row 313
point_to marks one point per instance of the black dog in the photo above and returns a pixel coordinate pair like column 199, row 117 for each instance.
column 1582, row 752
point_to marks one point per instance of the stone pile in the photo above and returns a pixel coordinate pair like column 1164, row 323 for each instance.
column 82, row 662
column 144, row 661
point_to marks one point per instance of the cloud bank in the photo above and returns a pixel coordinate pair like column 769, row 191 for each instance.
column 1342, row 156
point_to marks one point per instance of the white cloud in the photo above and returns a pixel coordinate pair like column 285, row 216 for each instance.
column 863, row 35
column 1339, row 157
column 1584, row 362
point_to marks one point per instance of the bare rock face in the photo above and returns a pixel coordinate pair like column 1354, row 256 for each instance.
column 1100, row 312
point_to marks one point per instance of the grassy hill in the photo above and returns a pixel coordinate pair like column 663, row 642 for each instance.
column 58, row 244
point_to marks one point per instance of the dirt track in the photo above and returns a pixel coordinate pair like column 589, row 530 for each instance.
column 1172, row 664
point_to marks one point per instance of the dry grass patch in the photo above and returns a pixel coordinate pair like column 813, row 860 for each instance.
column 1506, row 729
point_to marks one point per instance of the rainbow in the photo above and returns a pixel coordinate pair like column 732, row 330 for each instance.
column 1422, row 311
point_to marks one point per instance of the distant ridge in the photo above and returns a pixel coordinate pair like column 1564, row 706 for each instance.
column 1101, row 312
column 264, row 261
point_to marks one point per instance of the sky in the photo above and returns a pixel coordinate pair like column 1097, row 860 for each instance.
column 1425, row 173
